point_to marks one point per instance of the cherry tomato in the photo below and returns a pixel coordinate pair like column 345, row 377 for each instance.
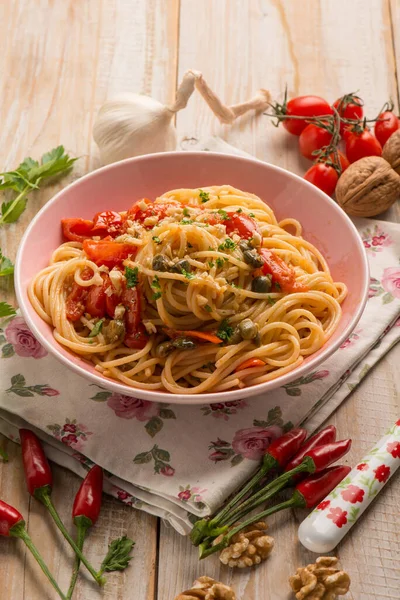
column 112, row 299
column 344, row 163
column 281, row 272
column 75, row 303
column 241, row 224
column 108, row 221
column 359, row 145
column 323, row 177
column 96, row 301
column 107, row 252
column 304, row 106
column 160, row 210
column 136, row 336
column 386, row 125
column 76, row 230
column 349, row 106
column 313, row 138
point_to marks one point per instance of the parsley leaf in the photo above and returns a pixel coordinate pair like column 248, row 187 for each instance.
column 223, row 214
column 117, row 558
column 211, row 264
column 187, row 221
column 156, row 239
column 156, row 285
column 6, row 310
column 186, row 212
column 204, row 196
column 252, row 215
column 208, row 308
column 131, row 277
column 28, row 175
column 271, row 301
column 6, row 266
column 157, row 296
column 224, row 330
column 220, row 262
column 187, row 274
column 228, row 244
column 239, row 210
column 278, row 286
column 97, row 328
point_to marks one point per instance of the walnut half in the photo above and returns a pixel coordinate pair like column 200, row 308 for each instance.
column 248, row 547
column 368, row 187
column 321, row 581
column 206, row 588
column 391, row 151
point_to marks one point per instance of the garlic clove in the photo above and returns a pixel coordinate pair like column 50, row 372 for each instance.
column 133, row 124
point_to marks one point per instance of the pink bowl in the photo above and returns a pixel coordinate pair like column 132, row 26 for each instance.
column 118, row 185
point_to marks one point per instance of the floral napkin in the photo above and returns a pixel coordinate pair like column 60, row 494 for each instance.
column 179, row 462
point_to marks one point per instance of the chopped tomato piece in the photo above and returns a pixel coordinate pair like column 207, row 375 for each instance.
column 107, row 252
column 250, row 362
column 282, row 274
column 112, row 299
column 203, row 336
column 76, row 299
column 160, row 210
column 242, row 224
column 136, row 336
column 76, row 230
column 96, row 301
column 109, row 222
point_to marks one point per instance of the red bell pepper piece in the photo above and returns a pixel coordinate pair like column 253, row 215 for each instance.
column 12, row 524
column 39, row 481
column 325, row 436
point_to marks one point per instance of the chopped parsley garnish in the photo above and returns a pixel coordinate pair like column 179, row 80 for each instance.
column 157, row 296
column 228, row 244
column 156, row 285
column 278, row 286
column 238, row 287
column 186, row 212
column 204, row 196
column 252, row 215
column 156, row 239
column 223, row 214
column 224, row 330
column 220, row 262
column 131, row 277
column 208, row 308
column 271, row 300
column 97, row 328
column 187, row 274
column 239, row 210
column 211, row 264
column 186, row 221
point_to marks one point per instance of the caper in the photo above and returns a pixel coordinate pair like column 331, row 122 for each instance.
column 257, row 340
column 164, row 349
column 183, row 343
column 252, row 258
column 160, row 263
column 261, row 284
column 113, row 331
column 236, row 337
column 248, row 329
column 180, row 266
column 244, row 245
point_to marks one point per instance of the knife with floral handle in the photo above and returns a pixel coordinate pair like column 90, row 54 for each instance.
column 329, row 522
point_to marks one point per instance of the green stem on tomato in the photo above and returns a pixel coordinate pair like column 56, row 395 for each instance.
column 20, row 532
column 43, row 495
column 80, row 539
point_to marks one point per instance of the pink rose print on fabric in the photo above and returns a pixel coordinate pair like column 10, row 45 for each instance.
column 168, row 471
column 353, row 494
column 222, row 410
column 127, row 407
column 351, row 340
column 391, row 281
column 382, row 473
column 160, row 459
column 192, row 494
column 338, row 516
column 394, row 449
column 22, row 340
column 362, row 467
column 375, row 239
column 122, row 495
column 323, row 505
column 252, row 442
column 294, row 387
column 72, row 434
column 125, row 497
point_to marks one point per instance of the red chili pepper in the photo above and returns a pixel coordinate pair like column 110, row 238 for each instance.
column 323, row 456
column 36, row 466
column 311, row 491
column 12, row 524
column 281, row 450
column 39, row 481
column 325, row 436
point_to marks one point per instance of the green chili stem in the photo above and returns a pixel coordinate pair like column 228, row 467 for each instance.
column 80, row 539
column 45, row 498
column 20, row 532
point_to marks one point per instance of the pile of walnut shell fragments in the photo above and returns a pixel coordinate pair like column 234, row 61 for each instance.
column 371, row 185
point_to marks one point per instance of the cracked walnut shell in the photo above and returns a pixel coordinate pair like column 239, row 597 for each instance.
column 368, row 187
column 248, row 547
column 320, row 581
column 206, row 588
column 391, row 151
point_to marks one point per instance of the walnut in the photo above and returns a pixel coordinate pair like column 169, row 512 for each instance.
column 206, row 588
column 391, row 151
column 368, row 187
column 248, row 547
column 320, row 581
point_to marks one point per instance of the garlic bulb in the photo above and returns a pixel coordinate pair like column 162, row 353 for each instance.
column 133, row 124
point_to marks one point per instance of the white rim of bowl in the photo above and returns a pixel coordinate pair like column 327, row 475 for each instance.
column 210, row 397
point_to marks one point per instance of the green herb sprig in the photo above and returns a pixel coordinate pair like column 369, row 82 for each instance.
column 131, row 276
column 6, row 266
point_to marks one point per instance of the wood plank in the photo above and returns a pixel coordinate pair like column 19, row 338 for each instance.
column 59, row 62
column 312, row 48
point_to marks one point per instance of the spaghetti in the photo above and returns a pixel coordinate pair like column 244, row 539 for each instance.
column 201, row 291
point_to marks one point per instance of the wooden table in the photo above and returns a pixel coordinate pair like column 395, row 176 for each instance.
column 60, row 60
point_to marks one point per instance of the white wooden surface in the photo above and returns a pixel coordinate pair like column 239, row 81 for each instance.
column 59, row 61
